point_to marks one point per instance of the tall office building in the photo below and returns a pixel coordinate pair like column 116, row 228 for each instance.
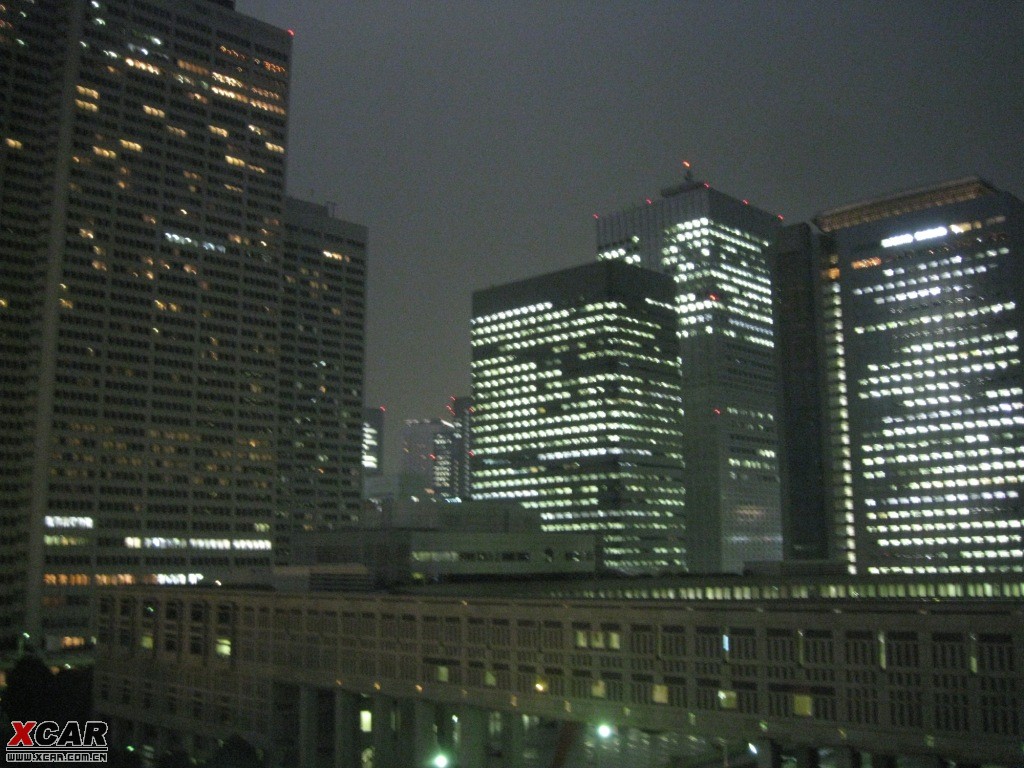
column 427, row 457
column 460, row 411
column 714, row 248
column 576, row 408
column 320, row 381
column 922, row 295
column 147, row 306
column 801, row 302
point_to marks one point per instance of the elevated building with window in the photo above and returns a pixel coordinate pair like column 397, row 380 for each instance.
column 714, row 248
column 320, row 373
column 922, row 311
column 576, row 408
column 143, row 183
column 153, row 320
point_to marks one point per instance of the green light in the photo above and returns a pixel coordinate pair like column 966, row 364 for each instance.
column 604, row 730
column 441, row 761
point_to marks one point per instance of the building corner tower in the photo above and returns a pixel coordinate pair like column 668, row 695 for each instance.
column 714, row 248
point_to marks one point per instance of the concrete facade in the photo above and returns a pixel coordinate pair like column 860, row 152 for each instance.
column 941, row 679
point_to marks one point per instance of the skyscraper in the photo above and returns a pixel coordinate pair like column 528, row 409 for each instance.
column 922, row 296
column 799, row 272
column 147, row 307
column 461, row 412
column 576, row 408
column 426, row 457
column 713, row 246
column 320, row 419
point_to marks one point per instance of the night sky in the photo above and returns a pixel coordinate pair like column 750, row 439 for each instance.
column 477, row 139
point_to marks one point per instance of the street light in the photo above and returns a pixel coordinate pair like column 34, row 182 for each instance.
column 440, row 761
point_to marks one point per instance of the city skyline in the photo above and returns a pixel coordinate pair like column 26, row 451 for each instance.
column 477, row 141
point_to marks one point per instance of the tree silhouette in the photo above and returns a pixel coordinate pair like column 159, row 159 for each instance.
column 31, row 691
column 235, row 752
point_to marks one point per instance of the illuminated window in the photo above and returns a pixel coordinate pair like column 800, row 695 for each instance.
column 803, row 705
column 727, row 699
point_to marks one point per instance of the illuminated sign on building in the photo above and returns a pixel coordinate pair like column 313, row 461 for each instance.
column 916, row 237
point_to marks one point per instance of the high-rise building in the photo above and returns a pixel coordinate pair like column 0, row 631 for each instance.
column 145, row 303
column 460, row 410
column 320, row 381
column 714, row 248
column 427, row 457
column 922, row 308
column 800, row 306
column 576, row 408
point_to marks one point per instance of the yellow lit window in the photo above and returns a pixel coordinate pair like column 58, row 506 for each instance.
column 218, row 130
column 153, row 111
column 13, row 143
column 145, row 66
column 235, row 160
column 90, row 92
column 803, row 705
column 88, row 106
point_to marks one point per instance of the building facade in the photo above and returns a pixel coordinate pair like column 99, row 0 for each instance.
column 799, row 274
column 335, row 679
column 460, row 410
column 427, row 469
column 320, row 415
column 149, row 308
column 714, row 248
column 922, row 306
column 576, row 408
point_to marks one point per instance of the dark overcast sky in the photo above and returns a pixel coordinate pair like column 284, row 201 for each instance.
column 476, row 139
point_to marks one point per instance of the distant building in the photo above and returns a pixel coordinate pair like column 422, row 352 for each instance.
column 427, row 457
column 320, row 372
column 922, row 312
column 460, row 410
column 714, row 248
column 373, row 441
column 424, row 541
column 576, row 408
